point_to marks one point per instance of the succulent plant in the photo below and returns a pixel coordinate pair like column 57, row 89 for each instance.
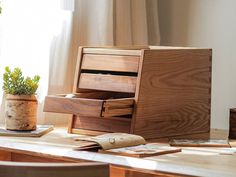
column 16, row 84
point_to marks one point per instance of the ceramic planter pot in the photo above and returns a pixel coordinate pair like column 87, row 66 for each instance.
column 21, row 112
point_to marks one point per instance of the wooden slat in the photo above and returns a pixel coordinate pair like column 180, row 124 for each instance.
column 87, row 132
column 119, row 63
column 111, row 112
column 103, row 124
column 77, row 106
column 117, row 171
column 206, row 50
column 120, row 103
column 112, row 51
column 75, row 88
column 18, row 157
column 77, row 70
column 102, row 95
column 107, row 82
column 118, row 107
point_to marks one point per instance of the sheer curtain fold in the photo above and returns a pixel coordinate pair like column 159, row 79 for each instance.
column 52, row 35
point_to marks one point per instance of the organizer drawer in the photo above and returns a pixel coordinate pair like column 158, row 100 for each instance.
column 107, row 82
column 116, row 63
column 90, row 107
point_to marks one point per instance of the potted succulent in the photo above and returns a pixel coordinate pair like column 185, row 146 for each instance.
column 21, row 102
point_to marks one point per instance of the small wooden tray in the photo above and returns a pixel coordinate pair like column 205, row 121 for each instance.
column 41, row 130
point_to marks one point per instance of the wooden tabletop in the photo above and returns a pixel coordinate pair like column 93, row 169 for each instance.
column 191, row 161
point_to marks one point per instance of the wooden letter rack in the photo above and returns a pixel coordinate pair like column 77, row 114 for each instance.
column 151, row 91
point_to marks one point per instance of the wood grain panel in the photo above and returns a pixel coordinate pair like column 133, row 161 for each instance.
column 174, row 94
column 111, row 112
column 114, row 51
column 5, row 155
column 118, row 107
column 18, row 157
column 122, row 102
column 77, row 106
column 116, row 171
column 119, row 63
column 101, row 95
column 103, row 124
column 107, row 82
column 86, row 132
column 77, row 71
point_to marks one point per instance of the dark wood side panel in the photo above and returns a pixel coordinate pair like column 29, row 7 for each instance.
column 102, row 124
column 174, row 95
column 232, row 124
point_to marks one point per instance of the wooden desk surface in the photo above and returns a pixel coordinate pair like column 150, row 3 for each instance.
column 191, row 161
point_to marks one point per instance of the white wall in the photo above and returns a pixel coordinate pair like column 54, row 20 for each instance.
column 206, row 23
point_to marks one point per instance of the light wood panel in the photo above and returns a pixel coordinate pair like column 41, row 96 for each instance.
column 111, row 124
column 119, row 63
column 122, row 102
column 174, row 93
column 86, row 132
column 190, row 162
column 124, row 172
column 118, row 107
column 107, row 82
column 112, row 112
column 19, row 157
column 101, row 95
column 78, row 106
column 114, row 51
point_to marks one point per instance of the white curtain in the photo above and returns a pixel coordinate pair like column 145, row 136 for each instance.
column 42, row 37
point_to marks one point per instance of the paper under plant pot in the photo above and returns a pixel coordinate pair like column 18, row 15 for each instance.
column 21, row 112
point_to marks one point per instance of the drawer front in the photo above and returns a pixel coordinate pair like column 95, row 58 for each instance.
column 117, row 63
column 107, row 82
column 118, row 107
column 88, row 107
column 76, row 106
column 104, row 125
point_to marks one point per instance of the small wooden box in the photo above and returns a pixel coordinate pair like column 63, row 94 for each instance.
column 152, row 91
column 232, row 124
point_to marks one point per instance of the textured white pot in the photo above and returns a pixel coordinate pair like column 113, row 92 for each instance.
column 21, row 112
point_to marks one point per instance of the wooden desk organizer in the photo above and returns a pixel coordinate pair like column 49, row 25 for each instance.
column 153, row 92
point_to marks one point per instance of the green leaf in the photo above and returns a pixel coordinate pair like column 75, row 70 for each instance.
column 15, row 83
